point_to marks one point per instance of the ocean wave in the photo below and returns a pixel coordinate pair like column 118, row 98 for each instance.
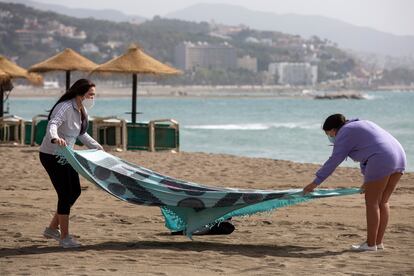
column 371, row 97
column 254, row 126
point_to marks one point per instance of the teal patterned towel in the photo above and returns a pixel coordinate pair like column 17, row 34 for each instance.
column 185, row 205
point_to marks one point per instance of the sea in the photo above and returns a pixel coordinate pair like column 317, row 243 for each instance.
column 275, row 128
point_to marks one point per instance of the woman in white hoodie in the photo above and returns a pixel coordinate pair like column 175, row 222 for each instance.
column 68, row 121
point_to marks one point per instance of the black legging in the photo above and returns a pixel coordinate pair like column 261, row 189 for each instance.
column 65, row 180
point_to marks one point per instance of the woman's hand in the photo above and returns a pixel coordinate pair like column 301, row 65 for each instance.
column 309, row 188
column 362, row 189
column 61, row 142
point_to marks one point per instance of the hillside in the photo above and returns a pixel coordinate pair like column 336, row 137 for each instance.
column 346, row 35
column 29, row 36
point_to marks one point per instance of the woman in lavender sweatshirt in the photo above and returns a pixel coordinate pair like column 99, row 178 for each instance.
column 382, row 160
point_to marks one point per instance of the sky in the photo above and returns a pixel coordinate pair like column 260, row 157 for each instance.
column 392, row 16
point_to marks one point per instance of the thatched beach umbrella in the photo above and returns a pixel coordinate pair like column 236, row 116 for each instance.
column 5, row 85
column 68, row 60
column 135, row 61
column 10, row 70
column 4, row 76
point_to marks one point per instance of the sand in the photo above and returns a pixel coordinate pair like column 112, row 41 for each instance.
column 124, row 239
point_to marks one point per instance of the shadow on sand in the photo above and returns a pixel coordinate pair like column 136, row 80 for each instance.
column 249, row 250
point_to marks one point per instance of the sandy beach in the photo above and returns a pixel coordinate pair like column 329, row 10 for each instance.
column 124, row 239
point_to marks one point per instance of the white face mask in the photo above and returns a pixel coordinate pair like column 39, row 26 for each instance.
column 88, row 103
column 331, row 139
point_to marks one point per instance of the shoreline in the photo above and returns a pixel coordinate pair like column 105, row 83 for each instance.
column 196, row 91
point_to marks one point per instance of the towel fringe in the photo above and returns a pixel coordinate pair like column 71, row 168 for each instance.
column 61, row 157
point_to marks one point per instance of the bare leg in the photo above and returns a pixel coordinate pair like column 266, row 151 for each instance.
column 54, row 223
column 373, row 195
column 385, row 207
column 64, row 225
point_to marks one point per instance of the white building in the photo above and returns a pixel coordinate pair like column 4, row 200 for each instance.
column 294, row 73
column 191, row 55
column 248, row 63
column 27, row 37
column 89, row 48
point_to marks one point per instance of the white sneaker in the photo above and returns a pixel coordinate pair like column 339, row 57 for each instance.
column 69, row 242
column 363, row 247
column 380, row 246
column 51, row 233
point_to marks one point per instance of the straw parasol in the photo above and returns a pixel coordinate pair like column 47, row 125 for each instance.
column 4, row 76
column 135, row 61
column 15, row 71
column 67, row 60
column 10, row 70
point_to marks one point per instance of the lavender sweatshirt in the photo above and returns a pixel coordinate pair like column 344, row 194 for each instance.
column 363, row 140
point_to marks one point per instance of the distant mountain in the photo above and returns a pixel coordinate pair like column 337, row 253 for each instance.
column 346, row 35
column 106, row 14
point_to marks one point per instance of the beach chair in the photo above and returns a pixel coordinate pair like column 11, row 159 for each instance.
column 12, row 129
column 161, row 134
column 137, row 136
column 110, row 131
column 38, row 129
column 27, row 132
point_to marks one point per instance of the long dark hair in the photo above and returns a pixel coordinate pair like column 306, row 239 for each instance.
column 79, row 88
column 335, row 121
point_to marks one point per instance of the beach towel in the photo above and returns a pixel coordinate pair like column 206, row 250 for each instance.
column 186, row 206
